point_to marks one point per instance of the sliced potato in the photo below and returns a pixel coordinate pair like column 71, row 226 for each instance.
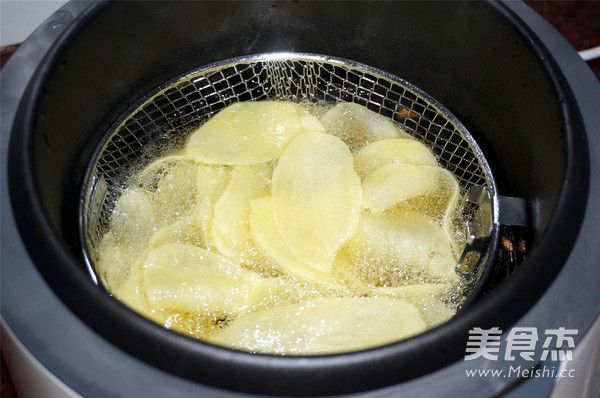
column 186, row 278
column 429, row 298
column 302, row 280
column 390, row 150
column 211, row 181
column 323, row 326
column 115, row 260
column 170, row 183
column 246, row 133
column 431, row 190
column 316, row 198
column 264, row 231
column 311, row 123
column 440, row 204
column 344, row 269
column 396, row 182
column 198, row 325
column 132, row 293
column 183, row 230
column 230, row 231
column 132, row 223
column 357, row 125
column 195, row 324
column 389, row 248
column 133, row 219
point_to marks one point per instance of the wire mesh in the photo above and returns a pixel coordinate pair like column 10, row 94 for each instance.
column 177, row 108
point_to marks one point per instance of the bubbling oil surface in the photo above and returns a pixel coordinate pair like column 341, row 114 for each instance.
column 205, row 241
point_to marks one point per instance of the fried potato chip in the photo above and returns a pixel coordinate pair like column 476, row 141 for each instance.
column 323, row 326
column 264, row 231
column 311, row 123
column 170, row 183
column 183, row 230
column 115, row 260
column 397, row 182
column 389, row 150
column 211, row 181
column 193, row 324
column 246, row 133
column 316, row 197
column 400, row 243
column 133, row 219
column 440, row 203
column 357, row 125
column 429, row 298
column 132, row 293
column 187, row 278
column 230, row 231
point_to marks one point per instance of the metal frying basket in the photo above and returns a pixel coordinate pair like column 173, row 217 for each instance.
column 175, row 109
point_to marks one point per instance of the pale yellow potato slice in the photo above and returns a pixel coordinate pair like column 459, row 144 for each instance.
column 357, row 125
column 132, row 223
column 133, row 219
column 344, row 268
column 186, row 278
column 436, row 312
column 427, row 297
column 323, row 326
column 393, row 246
column 131, row 292
column 396, row 182
column 390, row 150
column 230, row 231
column 264, row 231
column 170, row 183
column 246, row 133
column 183, row 230
column 449, row 193
column 439, row 204
column 114, row 260
column 301, row 279
column 311, row 123
column 316, row 198
column 211, row 181
column 196, row 324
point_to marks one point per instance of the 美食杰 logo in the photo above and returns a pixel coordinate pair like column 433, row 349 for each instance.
column 521, row 343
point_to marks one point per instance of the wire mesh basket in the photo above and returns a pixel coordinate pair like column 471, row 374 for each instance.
column 178, row 107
